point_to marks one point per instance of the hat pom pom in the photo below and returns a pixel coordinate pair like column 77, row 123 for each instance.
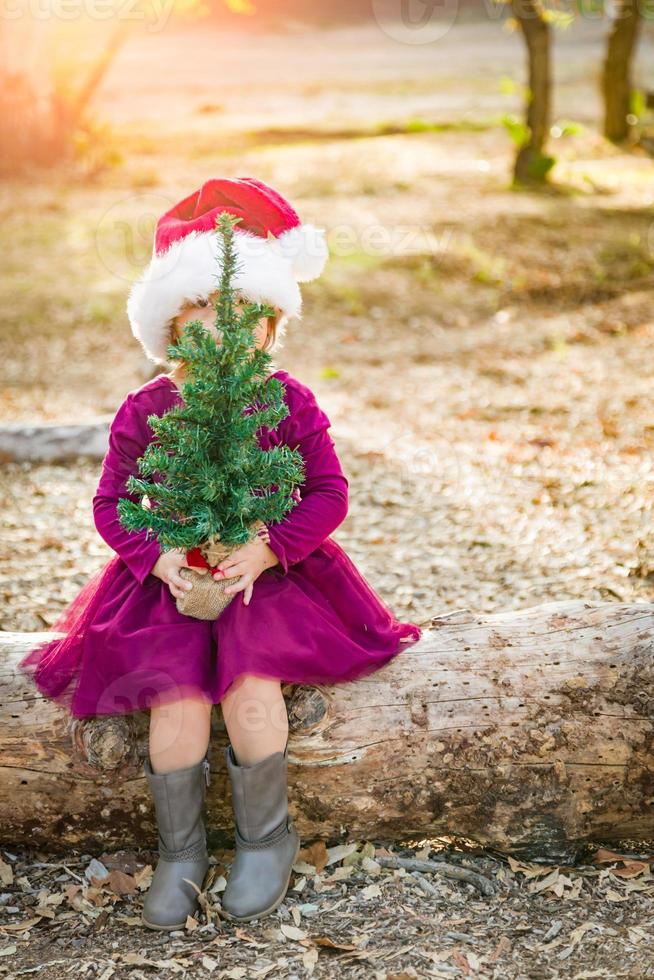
column 306, row 248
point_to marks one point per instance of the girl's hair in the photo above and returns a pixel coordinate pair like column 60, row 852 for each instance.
column 271, row 335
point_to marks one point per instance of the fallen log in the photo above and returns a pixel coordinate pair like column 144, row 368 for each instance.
column 54, row 443
column 57, row 442
column 530, row 731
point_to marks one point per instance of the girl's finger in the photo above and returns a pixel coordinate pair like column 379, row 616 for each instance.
column 238, row 586
column 236, row 558
column 228, row 563
column 231, row 572
column 180, row 583
column 248, row 594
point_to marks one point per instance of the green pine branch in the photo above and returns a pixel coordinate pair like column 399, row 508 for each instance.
column 204, row 473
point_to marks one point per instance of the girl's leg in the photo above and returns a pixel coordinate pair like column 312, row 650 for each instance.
column 177, row 774
column 267, row 843
column 179, row 734
column 256, row 718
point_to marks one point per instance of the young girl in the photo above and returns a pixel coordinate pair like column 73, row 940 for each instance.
column 304, row 615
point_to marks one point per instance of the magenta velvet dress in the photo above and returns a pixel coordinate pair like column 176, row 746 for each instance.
column 312, row 619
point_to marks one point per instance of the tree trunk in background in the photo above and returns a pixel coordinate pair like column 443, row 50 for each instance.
column 616, row 75
column 25, row 96
column 531, row 731
column 39, row 118
column 531, row 164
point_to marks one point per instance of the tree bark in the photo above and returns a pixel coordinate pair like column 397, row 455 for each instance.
column 531, row 165
column 616, row 74
column 531, row 731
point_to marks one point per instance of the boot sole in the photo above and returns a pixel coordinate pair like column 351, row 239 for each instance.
column 152, row 925
column 275, row 905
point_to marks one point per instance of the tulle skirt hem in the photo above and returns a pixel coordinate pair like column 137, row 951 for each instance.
column 125, row 648
column 155, row 689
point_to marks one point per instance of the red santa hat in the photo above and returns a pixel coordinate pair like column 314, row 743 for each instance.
column 275, row 251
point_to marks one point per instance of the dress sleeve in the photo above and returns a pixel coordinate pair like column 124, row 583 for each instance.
column 129, row 434
column 324, row 493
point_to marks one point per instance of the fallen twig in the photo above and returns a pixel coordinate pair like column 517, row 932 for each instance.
column 426, row 886
column 479, row 881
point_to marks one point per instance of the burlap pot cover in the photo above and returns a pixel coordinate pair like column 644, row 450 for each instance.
column 207, row 598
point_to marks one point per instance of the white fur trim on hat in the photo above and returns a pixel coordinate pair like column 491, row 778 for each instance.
column 306, row 248
column 268, row 271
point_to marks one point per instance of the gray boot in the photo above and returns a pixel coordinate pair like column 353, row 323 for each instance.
column 267, row 843
column 179, row 800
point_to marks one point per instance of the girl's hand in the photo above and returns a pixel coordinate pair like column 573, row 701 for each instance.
column 248, row 562
column 167, row 569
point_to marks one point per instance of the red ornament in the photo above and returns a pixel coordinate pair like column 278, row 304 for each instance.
column 195, row 559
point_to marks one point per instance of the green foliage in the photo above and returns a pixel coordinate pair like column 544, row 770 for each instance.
column 637, row 103
column 558, row 18
column 590, row 8
column 418, row 125
column 214, row 477
column 539, row 165
column 566, row 127
column 95, row 149
column 516, row 128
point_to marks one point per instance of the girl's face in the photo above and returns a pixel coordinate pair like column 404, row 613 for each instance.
column 205, row 312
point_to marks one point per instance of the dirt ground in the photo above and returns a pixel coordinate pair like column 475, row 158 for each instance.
column 484, row 356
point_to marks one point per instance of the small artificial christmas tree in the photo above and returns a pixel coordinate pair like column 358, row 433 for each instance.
column 216, row 487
